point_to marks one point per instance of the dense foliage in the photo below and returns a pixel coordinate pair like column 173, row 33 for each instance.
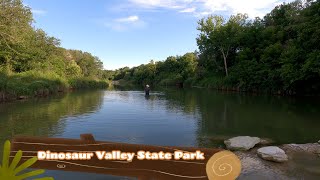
column 277, row 54
column 169, row 72
column 30, row 60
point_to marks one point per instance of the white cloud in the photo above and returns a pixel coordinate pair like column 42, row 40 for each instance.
column 172, row 4
column 204, row 7
column 188, row 10
column 252, row 7
column 128, row 19
column 38, row 12
column 126, row 23
column 35, row 11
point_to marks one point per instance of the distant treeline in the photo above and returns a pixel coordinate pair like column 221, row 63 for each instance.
column 279, row 53
column 33, row 63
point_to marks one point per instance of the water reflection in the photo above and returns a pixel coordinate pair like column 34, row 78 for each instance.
column 177, row 117
column 286, row 120
column 147, row 97
column 210, row 113
column 46, row 116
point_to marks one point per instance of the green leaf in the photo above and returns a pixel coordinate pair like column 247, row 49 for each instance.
column 15, row 160
column 6, row 154
column 25, row 165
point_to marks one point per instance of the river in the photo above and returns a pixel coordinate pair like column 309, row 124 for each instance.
column 180, row 117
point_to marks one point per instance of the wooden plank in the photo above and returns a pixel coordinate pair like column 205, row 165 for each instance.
column 145, row 169
column 87, row 138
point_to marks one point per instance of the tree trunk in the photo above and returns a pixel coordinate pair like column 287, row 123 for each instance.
column 225, row 62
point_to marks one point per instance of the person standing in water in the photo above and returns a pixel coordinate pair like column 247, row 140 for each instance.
column 147, row 90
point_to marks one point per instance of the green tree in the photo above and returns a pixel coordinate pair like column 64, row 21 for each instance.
column 217, row 35
column 15, row 25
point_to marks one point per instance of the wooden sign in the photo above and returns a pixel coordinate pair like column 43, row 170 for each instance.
column 120, row 159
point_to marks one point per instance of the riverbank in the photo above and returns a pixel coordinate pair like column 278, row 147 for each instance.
column 225, row 84
column 219, row 86
column 123, row 83
column 15, row 86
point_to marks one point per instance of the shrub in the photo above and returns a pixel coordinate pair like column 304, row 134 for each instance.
column 80, row 83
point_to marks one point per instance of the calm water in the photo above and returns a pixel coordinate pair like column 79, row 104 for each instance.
column 196, row 117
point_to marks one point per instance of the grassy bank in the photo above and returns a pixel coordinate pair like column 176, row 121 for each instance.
column 125, row 83
column 34, row 83
column 228, row 84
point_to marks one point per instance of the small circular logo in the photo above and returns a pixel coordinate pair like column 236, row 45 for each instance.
column 223, row 165
column 61, row 166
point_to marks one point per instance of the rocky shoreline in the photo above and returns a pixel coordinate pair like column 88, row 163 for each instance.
column 262, row 160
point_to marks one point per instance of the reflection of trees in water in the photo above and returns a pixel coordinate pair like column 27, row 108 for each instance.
column 41, row 116
column 179, row 100
column 226, row 114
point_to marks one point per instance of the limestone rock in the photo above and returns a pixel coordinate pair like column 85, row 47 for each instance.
column 242, row 143
column 272, row 153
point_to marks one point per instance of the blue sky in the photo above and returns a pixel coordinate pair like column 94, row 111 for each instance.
column 132, row 32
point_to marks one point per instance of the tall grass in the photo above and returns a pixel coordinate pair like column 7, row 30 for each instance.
column 210, row 82
column 170, row 80
column 35, row 83
column 31, row 83
column 84, row 83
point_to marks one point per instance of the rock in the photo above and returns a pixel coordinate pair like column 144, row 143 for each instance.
column 310, row 147
column 319, row 141
column 272, row 153
column 242, row 143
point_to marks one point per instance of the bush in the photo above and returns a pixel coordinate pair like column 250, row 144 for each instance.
column 36, row 83
column 190, row 82
column 212, row 82
column 171, row 80
column 3, row 81
column 31, row 82
column 80, row 83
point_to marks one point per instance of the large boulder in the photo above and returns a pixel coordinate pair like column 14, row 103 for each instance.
column 272, row 153
column 242, row 143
